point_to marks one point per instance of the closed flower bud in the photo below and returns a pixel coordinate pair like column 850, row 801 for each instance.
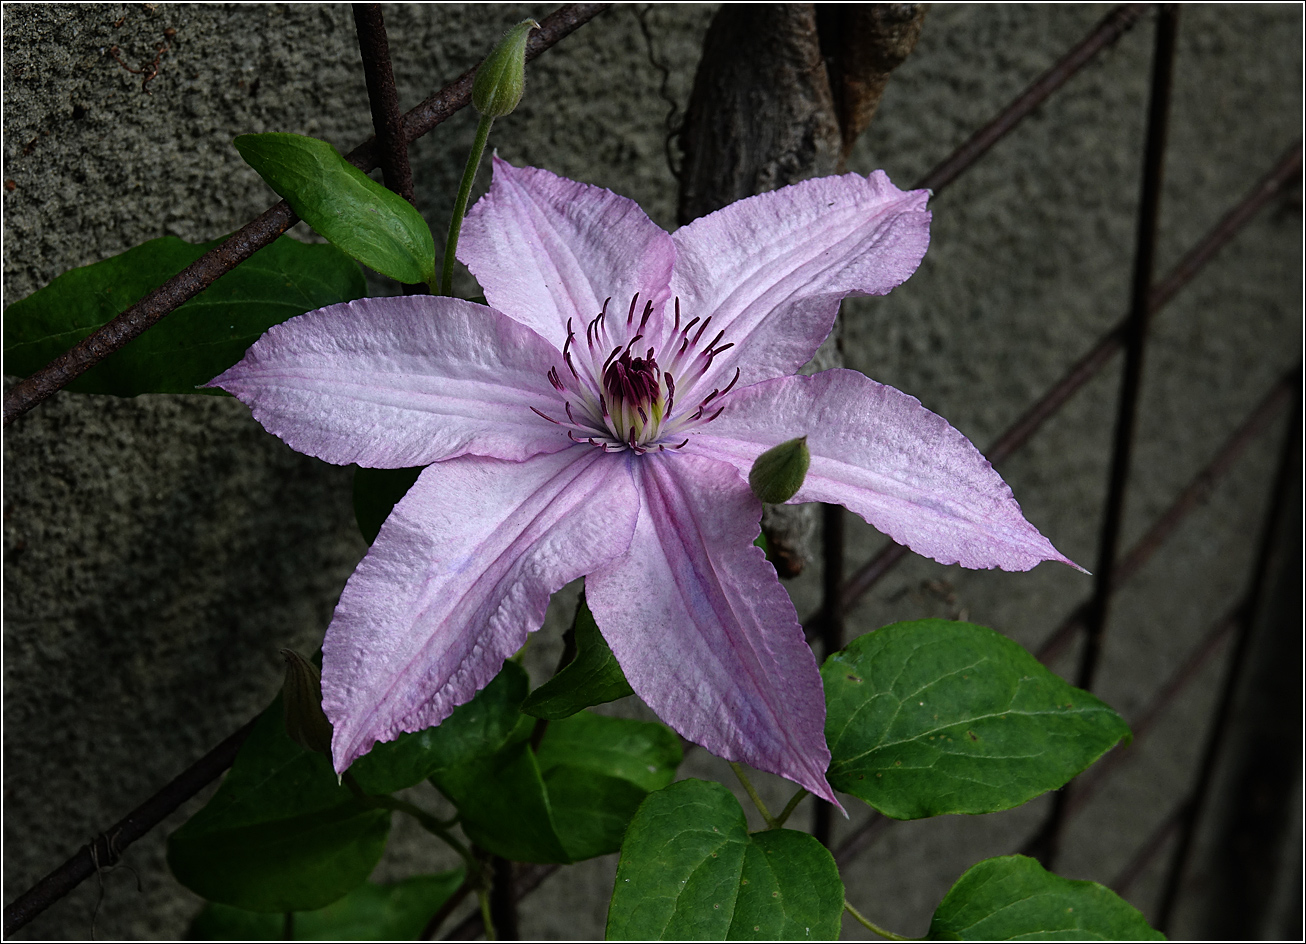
column 501, row 79
column 301, row 696
column 778, row 473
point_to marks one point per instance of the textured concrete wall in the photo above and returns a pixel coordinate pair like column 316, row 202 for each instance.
column 158, row 551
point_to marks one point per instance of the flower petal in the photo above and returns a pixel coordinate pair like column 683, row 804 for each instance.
column 771, row 269
column 460, row 573
column 883, row 455
column 705, row 633
column 398, row 382
column 546, row 249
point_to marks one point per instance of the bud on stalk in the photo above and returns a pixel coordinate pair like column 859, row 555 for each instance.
column 501, row 78
column 301, row 697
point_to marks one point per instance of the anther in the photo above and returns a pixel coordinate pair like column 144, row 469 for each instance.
column 630, row 315
column 549, row 418
column 701, row 330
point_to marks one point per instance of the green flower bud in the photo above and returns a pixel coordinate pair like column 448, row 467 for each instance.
column 301, row 697
column 501, row 78
column 778, row 473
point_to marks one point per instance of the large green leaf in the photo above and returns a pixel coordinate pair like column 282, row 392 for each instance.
column 371, row 912
column 936, row 717
column 597, row 771
column 573, row 800
column 474, row 730
column 592, row 678
column 376, row 226
column 644, row 752
column 690, row 870
column 193, row 344
column 280, row 834
column 503, row 805
column 1013, row 898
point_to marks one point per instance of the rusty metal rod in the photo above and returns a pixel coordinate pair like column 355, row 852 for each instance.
column 107, row 848
column 383, row 97
column 1116, row 23
column 1135, row 343
column 256, row 235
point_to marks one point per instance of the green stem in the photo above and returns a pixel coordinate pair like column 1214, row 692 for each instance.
column 874, row 928
column 429, row 822
column 484, row 895
column 460, row 205
column 757, row 800
column 789, row 808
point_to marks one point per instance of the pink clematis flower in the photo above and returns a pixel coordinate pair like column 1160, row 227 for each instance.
column 599, row 419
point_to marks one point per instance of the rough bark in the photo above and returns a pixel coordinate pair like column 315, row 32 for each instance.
column 862, row 43
column 781, row 94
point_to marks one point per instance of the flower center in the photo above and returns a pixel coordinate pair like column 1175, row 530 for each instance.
column 617, row 399
column 635, row 395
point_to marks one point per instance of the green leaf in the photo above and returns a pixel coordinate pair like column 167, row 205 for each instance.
column 376, row 492
column 371, row 912
column 689, row 870
column 597, row 771
column 474, row 730
column 572, row 800
column 193, row 344
column 376, row 226
column 644, row 752
column 1014, row 898
column 503, row 805
column 934, row 717
column 280, row 834
column 592, row 678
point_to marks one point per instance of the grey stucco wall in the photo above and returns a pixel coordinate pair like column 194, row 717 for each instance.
column 159, row 551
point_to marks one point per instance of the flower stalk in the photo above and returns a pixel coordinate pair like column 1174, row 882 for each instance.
column 872, row 927
column 753, row 795
column 790, row 807
column 496, row 91
column 460, row 203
